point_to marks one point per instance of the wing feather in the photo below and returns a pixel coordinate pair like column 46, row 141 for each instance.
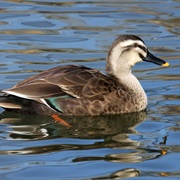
column 76, row 81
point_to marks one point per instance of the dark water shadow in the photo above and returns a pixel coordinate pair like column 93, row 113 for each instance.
column 88, row 127
column 112, row 132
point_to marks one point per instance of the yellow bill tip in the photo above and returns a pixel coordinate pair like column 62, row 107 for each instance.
column 165, row 64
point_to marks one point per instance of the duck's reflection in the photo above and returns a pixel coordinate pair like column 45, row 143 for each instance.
column 105, row 131
column 114, row 129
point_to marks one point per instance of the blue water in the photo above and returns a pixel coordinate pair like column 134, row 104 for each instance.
column 36, row 35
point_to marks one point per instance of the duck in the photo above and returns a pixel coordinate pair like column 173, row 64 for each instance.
column 76, row 90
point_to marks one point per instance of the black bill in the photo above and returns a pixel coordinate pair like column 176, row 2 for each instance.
column 151, row 58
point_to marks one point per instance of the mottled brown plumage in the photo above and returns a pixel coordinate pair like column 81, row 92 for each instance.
column 79, row 90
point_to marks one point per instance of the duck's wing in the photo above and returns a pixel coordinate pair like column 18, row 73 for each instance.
column 64, row 81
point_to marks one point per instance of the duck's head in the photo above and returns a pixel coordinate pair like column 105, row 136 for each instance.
column 126, row 51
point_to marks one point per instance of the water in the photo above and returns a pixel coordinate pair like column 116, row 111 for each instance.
column 36, row 35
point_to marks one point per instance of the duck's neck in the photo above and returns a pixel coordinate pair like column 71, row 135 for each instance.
column 137, row 92
column 125, row 77
column 130, row 81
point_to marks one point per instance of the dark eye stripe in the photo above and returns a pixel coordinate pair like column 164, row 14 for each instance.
column 141, row 56
column 143, row 48
column 136, row 45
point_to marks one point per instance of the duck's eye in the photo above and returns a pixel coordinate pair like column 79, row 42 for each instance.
column 141, row 47
column 136, row 45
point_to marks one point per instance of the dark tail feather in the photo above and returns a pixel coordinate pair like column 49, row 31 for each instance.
column 21, row 105
column 8, row 102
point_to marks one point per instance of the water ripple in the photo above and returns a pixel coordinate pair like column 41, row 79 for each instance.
column 41, row 34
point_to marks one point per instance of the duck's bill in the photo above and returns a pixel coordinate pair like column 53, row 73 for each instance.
column 151, row 58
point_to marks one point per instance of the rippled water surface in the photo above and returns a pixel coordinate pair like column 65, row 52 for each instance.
column 36, row 35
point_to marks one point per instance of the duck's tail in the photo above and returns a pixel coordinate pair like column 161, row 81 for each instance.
column 9, row 102
column 21, row 105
